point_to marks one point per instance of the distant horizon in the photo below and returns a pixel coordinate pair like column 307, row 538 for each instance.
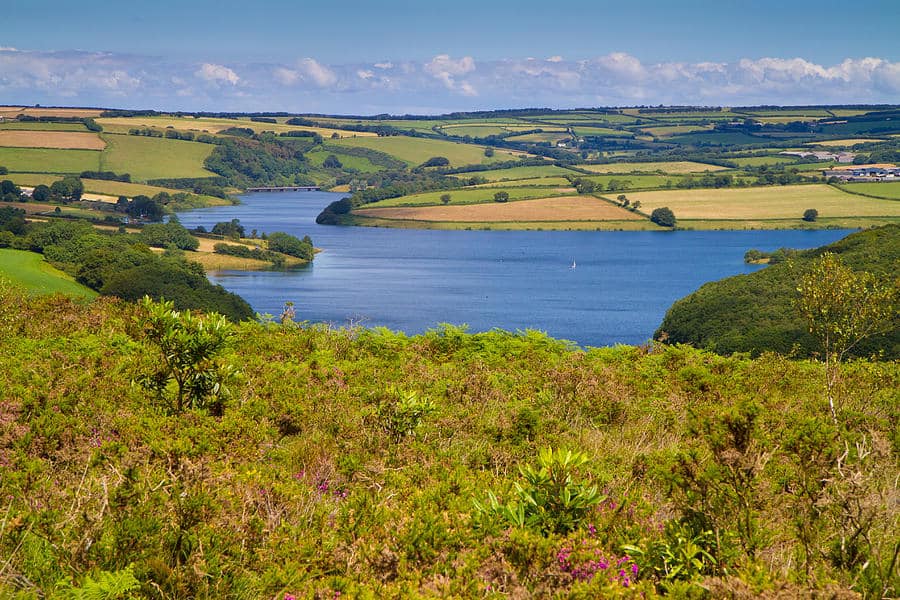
column 403, row 57
column 376, row 116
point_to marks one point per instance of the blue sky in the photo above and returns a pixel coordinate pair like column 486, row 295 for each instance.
column 399, row 56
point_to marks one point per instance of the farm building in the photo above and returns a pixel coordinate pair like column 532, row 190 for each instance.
column 876, row 172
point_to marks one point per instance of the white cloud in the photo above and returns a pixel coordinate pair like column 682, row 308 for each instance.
column 286, row 76
column 446, row 70
column 443, row 83
column 321, row 75
column 217, row 73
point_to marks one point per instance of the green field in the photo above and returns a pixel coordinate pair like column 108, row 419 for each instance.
column 536, row 138
column 674, row 168
column 359, row 163
column 533, row 181
column 415, row 151
column 756, row 161
column 49, row 160
column 667, row 130
column 31, row 271
column 33, row 126
column 882, row 189
column 102, row 186
column 151, row 158
column 600, row 131
column 466, row 196
column 771, row 202
column 519, row 173
column 635, row 181
column 474, row 130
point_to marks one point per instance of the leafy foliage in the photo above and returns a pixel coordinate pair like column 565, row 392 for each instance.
column 757, row 312
column 188, row 347
column 550, row 499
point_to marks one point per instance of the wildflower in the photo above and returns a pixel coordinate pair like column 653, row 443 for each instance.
column 290, row 597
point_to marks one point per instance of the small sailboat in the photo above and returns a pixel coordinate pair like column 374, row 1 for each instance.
column 573, row 265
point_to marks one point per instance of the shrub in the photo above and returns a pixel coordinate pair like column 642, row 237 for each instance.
column 501, row 197
column 810, row 215
column 188, row 350
column 663, row 217
column 550, row 499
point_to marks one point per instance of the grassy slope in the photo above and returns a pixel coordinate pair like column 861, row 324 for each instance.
column 519, row 173
column 37, row 276
column 415, row 151
column 466, row 196
column 111, row 188
column 46, row 160
column 151, row 158
column 674, row 167
column 883, row 189
column 307, row 485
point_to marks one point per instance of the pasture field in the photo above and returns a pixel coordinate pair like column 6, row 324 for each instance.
column 473, row 130
column 47, row 160
column 12, row 111
column 473, row 195
column 536, row 138
column 212, row 125
column 36, row 275
column 150, row 158
column 415, row 151
column 770, row 202
column 424, row 125
column 633, row 181
column 782, row 120
column 519, row 173
column 103, row 187
column 534, row 181
column 601, row 131
column 673, row 168
column 35, row 126
column 820, row 166
column 845, row 142
column 669, row 130
column 819, row 113
column 881, row 189
column 51, row 139
column 756, row 161
column 561, row 208
column 360, row 163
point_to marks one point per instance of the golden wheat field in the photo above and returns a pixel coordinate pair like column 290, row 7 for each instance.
column 771, row 202
column 563, row 208
column 51, row 139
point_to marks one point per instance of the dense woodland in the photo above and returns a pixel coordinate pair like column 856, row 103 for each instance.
column 757, row 313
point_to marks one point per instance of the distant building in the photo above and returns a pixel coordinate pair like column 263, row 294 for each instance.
column 841, row 157
column 874, row 172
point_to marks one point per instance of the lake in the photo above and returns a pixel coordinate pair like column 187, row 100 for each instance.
column 620, row 287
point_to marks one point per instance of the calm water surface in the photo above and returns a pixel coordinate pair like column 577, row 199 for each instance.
column 412, row 280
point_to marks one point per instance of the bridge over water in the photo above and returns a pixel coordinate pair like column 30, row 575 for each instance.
column 287, row 188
